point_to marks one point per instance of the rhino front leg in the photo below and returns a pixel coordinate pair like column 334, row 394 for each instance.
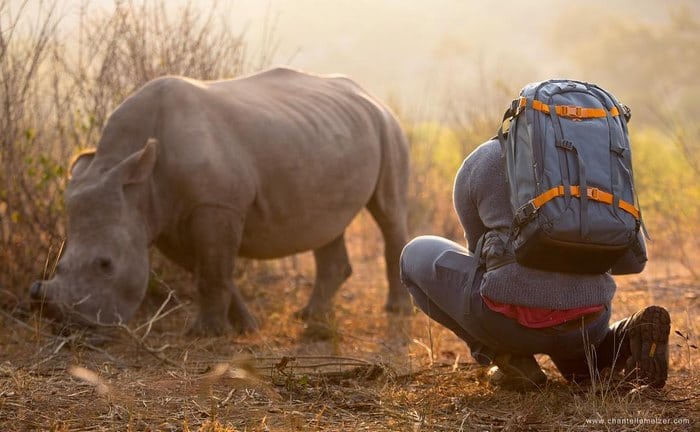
column 216, row 236
column 238, row 314
column 332, row 269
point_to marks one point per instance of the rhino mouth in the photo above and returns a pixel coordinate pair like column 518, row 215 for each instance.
column 63, row 319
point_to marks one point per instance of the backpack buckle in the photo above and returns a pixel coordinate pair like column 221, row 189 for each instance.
column 593, row 193
column 514, row 109
column 626, row 113
column 525, row 213
column 571, row 111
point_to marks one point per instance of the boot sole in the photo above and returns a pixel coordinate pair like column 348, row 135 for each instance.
column 648, row 337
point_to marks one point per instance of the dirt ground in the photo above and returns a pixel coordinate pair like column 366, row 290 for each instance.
column 373, row 371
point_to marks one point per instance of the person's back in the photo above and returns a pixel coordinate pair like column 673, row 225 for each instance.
column 482, row 205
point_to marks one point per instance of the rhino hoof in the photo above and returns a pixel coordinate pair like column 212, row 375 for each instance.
column 245, row 328
column 319, row 331
column 320, row 325
column 243, row 322
column 302, row 314
column 208, row 328
column 309, row 314
column 399, row 307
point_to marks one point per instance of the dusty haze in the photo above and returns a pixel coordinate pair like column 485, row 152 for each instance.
column 415, row 52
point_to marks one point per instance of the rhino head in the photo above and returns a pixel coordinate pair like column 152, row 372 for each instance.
column 102, row 274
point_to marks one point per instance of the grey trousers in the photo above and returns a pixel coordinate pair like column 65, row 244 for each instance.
column 437, row 272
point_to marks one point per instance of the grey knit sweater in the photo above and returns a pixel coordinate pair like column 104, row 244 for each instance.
column 482, row 203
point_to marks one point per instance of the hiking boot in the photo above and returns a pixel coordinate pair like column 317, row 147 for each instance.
column 516, row 372
column 647, row 332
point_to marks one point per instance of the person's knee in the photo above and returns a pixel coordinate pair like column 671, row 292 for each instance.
column 427, row 247
column 416, row 259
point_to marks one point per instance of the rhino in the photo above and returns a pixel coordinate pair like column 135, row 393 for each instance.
column 263, row 166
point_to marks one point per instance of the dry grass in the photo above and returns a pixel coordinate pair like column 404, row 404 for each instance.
column 375, row 372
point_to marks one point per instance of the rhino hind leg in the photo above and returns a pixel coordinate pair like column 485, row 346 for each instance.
column 332, row 269
column 389, row 211
column 216, row 235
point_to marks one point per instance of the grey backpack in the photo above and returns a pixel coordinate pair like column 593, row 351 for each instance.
column 569, row 171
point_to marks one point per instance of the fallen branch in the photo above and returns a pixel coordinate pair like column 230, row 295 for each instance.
column 158, row 315
column 141, row 340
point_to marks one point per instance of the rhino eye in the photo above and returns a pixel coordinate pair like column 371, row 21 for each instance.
column 104, row 264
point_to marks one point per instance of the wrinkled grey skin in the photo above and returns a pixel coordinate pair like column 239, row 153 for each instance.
column 262, row 166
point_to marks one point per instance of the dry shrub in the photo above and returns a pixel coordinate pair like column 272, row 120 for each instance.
column 119, row 51
column 57, row 90
column 28, row 173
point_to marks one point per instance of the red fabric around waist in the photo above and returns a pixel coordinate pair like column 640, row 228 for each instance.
column 537, row 317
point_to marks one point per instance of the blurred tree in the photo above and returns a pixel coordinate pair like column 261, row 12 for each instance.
column 652, row 66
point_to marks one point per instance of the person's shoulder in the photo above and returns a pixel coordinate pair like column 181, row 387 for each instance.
column 479, row 165
column 485, row 154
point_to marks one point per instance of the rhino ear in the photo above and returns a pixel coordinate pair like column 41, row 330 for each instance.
column 80, row 163
column 137, row 167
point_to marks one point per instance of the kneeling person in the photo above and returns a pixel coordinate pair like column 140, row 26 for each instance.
column 507, row 312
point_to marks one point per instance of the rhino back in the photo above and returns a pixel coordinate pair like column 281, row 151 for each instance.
column 294, row 155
